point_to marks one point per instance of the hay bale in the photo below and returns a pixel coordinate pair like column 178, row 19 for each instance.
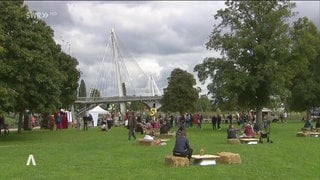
column 303, row 134
column 229, row 158
column 305, row 129
column 149, row 132
column 165, row 136
column 233, row 141
column 144, row 142
column 176, row 161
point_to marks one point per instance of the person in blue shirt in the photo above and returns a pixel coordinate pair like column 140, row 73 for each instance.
column 182, row 146
column 231, row 132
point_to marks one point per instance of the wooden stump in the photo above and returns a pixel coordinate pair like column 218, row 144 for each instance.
column 176, row 161
column 233, row 141
column 229, row 158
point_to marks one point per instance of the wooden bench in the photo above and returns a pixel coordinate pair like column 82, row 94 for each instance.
column 249, row 140
column 176, row 161
column 204, row 160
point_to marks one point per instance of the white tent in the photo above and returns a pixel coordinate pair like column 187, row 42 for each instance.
column 95, row 113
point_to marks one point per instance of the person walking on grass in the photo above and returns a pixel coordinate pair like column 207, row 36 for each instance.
column 219, row 121
column 214, row 120
column 58, row 121
column 200, row 119
column 131, row 126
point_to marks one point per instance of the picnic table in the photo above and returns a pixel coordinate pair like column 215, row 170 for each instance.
column 204, row 160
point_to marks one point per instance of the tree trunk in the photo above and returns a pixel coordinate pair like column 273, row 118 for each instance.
column 259, row 118
column 20, row 121
column 26, row 121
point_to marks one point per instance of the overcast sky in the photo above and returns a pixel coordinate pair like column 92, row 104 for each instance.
column 160, row 36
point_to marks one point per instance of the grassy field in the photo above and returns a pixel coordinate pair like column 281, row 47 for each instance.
column 74, row 154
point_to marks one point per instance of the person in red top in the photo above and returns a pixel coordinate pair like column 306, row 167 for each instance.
column 248, row 131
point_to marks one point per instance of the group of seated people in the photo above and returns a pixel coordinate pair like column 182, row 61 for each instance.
column 148, row 128
column 308, row 124
column 248, row 132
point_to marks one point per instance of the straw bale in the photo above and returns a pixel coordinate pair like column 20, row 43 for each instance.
column 233, row 141
column 145, row 142
column 305, row 129
column 303, row 134
column 176, row 161
column 165, row 136
column 229, row 158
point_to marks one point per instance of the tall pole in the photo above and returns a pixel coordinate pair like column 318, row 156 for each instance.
column 118, row 78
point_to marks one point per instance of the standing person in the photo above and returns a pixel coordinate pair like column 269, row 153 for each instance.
column 191, row 120
column 285, row 116
column 219, row 121
column 109, row 121
column 131, row 126
column 214, row 122
column 85, row 123
column 230, row 118
column 281, row 117
column 58, row 121
column 182, row 146
column 200, row 118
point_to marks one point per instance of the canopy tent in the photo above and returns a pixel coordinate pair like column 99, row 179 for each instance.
column 95, row 113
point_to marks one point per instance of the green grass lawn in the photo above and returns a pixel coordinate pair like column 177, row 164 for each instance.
column 74, row 154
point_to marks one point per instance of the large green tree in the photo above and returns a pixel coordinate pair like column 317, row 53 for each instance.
column 68, row 68
column 305, row 86
column 203, row 104
column 255, row 62
column 180, row 95
column 34, row 64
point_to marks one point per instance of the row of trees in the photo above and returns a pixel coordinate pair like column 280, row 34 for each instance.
column 35, row 74
column 263, row 55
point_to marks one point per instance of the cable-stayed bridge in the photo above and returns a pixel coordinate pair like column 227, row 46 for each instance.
column 121, row 79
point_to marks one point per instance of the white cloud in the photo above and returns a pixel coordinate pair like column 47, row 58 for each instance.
column 160, row 35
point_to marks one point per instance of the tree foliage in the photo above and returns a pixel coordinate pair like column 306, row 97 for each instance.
column 180, row 95
column 306, row 49
column 35, row 72
column 255, row 62
column 203, row 104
